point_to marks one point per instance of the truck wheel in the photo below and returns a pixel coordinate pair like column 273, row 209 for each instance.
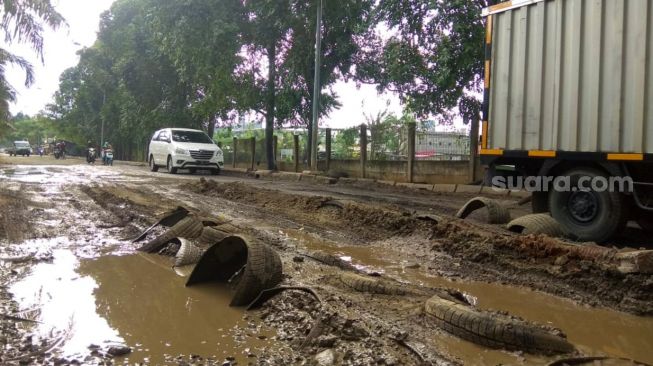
column 171, row 169
column 152, row 164
column 585, row 214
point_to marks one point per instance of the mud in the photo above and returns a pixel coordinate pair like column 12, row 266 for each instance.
column 90, row 291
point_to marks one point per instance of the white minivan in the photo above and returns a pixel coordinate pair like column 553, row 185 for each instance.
column 182, row 148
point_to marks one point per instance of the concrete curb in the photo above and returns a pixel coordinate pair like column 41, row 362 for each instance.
column 308, row 176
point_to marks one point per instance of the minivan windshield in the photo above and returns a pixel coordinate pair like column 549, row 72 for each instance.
column 197, row 137
column 21, row 144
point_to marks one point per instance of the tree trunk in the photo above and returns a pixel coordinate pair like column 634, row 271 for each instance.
column 269, row 115
column 211, row 127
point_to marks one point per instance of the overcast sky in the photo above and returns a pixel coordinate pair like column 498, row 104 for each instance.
column 60, row 53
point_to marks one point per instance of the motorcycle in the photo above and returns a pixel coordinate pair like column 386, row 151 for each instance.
column 57, row 153
column 90, row 156
column 108, row 157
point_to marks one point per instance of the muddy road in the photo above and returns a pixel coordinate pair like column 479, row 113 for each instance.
column 74, row 289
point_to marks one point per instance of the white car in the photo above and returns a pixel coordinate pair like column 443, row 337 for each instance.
column 182, row 148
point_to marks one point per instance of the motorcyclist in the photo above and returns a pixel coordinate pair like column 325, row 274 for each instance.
column 90, row 155
column 106, row 147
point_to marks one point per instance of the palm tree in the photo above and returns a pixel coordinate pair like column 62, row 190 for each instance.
column 22, row 21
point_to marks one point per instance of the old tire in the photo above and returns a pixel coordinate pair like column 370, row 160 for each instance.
column 374, row 285
column 171, row 169
column 152, row 164
column 493, row 330
column 187, row 228
column 496, row 213
column 585, row 214
column 262, row 271
column 541, row 223
column 188, row 253
column 210, row 236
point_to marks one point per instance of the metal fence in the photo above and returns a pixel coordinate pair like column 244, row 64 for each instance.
column 383, row 143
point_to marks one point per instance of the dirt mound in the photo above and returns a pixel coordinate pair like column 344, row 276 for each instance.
column 369, row 222
column 582, row 272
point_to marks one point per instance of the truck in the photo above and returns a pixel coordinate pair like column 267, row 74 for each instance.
column 20, row 148
column 568, row 110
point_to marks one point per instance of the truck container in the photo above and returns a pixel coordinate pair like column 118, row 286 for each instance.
column 568, row 93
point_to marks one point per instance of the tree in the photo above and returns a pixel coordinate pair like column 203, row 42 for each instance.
column 433, row 58
column 22, row 21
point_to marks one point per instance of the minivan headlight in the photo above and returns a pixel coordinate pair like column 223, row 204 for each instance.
column 218, row 153
column 180, row 151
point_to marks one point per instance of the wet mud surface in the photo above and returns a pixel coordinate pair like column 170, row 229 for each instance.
column 74, row 290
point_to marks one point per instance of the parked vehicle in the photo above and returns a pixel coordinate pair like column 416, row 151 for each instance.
column 180, row 148
column 22, row 148
column 568, row 94
column 90, row 155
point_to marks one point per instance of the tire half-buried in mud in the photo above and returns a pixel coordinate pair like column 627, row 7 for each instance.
column 188, row 228
column 493, row 330
column 250, row 265
column 541, row 223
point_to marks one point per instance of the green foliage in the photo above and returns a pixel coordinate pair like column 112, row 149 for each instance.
column 200, row 63
column 32, row 129
column 345, row 143
column 22, row 21
column 434, row 58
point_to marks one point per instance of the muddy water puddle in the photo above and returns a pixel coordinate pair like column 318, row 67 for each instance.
column 594, row 331
column 135, row 300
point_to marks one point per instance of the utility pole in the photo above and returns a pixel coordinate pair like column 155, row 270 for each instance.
column 317, row 87
column 104, row 99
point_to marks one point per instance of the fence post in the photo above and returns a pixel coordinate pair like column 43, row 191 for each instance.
column 235, row 150
column 253, row 151
column 275, row 144
column 295, row 155
column 327, row 144
column 363, row 147
column 473, row 154
column 411, row 152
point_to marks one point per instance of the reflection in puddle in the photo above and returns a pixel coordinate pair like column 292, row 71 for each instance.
column 592, row 331
column 137, row 300
column 65, row 302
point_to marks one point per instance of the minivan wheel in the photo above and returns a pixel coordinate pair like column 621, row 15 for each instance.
column 171, row 169
column 215, row 171
column 585, row 214
column 153, row 166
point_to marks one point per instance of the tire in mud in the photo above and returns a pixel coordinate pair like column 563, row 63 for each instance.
column 331, row 260
column 377, row 286
column 496, row 213
column 210, row 236
column 262, row 271
column 541, row 223
column 250, row 266
column 187, row 228
column 188, row 253
column 493, row 330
